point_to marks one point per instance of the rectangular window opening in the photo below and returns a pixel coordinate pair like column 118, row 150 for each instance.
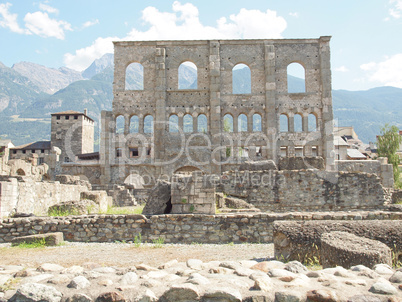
column 299, row 151
column 284, row 151
column 134, row 152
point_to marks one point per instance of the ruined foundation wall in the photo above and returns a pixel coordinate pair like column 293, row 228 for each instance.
column 305, row 190
column 186, row 228
column 28, row 196
column 379, row 167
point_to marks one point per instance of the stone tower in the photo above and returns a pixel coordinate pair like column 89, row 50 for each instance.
column 73, row 133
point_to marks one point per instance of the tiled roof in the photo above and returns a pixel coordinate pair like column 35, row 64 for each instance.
column 67, row 112
column 34, row 146
column 71, row 112
column 354, row 153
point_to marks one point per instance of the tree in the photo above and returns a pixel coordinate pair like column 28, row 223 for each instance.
column 387, row 146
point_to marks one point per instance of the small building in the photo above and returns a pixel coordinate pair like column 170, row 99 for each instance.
column 341, row 147
column 41, row 149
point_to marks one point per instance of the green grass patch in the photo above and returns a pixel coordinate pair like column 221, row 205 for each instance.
column 124, row 210
column 9, row 285
column 138, row 240
column 158, row 243
column 39, row 243
column 57, row 212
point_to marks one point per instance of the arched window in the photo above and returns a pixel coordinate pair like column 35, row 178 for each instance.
column 187, row 75
column 257, row 123
column 134, row 77
column 120, row 124
column 296, row 78
column 134, row 124
column 283, row 123
column 242, row 123
column 298, row 120
column 202, row 123
column 173, row 123
column 228, row 123
column 312, row 122
column 188, row 123
column 149, row 124
column 241, row 79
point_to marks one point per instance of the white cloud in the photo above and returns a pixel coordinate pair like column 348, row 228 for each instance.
column 368, row 66
column 90, row 23
column 387, row 72
column 295, row 14
column 9, row 20
column 396, row 10
column 85, row 56
column 341, row 69
column 40, row 24
column 184, row 23
column 48, row 8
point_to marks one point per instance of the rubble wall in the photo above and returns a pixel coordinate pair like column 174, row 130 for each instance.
column 379, row 167
column 174, row 228
column 305, row 190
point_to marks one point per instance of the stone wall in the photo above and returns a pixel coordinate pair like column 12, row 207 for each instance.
column 379, row 167
column 160, row 151
column 192, row 193
column 185, row 228
column 28, row 196
column 305, row 190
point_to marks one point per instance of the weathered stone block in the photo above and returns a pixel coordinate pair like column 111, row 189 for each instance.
column 346, row 250
column 51, row 239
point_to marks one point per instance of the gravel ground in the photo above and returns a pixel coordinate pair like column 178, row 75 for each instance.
column 124, row 254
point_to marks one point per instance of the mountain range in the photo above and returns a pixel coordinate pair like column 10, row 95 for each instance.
column 29, row 93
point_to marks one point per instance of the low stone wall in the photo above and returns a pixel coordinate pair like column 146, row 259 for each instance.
column 184, row 228
column 24, row 195
column 305, row 190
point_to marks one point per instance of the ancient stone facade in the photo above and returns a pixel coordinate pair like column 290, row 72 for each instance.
column 151, row 148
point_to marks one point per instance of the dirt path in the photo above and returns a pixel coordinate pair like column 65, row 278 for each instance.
column 123, row 255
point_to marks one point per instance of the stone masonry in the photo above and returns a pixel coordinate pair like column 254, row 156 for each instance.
column 152, row 150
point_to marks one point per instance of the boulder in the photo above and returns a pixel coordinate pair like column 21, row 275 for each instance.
column 111, row 297
column 346, row 250
column 31, row 292
column 79, row 282
column 158, row 199
column 301, row 240
column 50, row 239
column 182, row 292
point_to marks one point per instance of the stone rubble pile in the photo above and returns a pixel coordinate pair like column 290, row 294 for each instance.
column 195, row 280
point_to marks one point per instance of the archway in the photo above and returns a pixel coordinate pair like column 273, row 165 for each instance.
column 187, row 169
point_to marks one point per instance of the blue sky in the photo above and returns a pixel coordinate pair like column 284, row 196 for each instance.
column 366, row 45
